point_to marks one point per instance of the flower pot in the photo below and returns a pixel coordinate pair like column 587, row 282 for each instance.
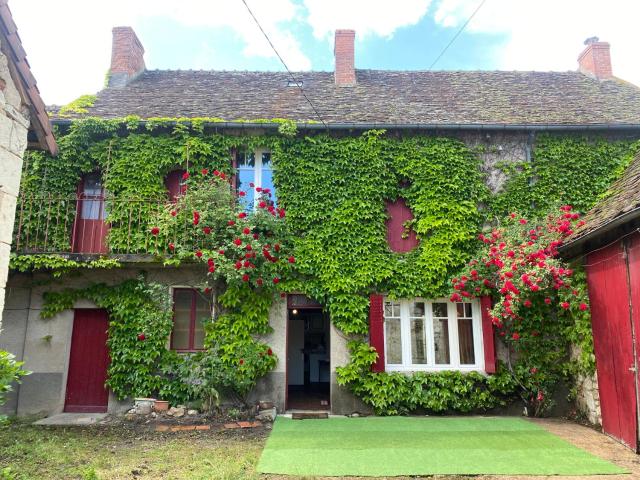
column 161, row 406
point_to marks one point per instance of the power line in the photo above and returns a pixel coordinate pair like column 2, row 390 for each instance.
column 295, row 80
column 457, row 34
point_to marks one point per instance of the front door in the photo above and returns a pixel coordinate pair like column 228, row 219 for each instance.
column 308, row 354
column 88, row 362
column 613, row 342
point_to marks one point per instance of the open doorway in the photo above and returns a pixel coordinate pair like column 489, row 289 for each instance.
column 308, row 365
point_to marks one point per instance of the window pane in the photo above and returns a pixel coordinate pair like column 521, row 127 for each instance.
column 244, row 178
column 417, row 309
column 440, row 310
column 181, row 319
column 203, row 314
column 267, row 176
column 441, row 340
column 393, row 341
column 92, row 197
column 391, row 309
column 246, row 159
column 463, row 310
column 418, row 344
column 465, row 337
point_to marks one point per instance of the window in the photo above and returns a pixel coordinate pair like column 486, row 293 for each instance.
column 432, row 335
column 254, row 168
column 173, row 183
column 92, row 195
column 190, row 310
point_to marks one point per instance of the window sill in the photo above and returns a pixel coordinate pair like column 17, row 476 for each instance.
column 435, row 368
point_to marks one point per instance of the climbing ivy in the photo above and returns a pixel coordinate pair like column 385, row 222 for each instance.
column 334, row 190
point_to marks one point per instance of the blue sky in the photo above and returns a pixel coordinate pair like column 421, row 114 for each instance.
column 72, row 58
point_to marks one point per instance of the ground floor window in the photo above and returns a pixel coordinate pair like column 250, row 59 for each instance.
column 432, row 335
column 190, row 310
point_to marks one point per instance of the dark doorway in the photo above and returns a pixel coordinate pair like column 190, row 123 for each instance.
column 308, row 365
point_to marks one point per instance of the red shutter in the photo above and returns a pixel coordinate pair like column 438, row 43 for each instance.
column 487, row 336
column 399, row 213
column 376, row 330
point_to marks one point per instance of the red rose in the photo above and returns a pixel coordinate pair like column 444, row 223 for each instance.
column 262, row 204
column 269, row 352
column 172, row 247
column 283, row 295
column 256, row 236
column 527, row 303
column 206, row 230
column 141, row 336
column 259, row 282
column 207, row 290
column 523, row 221
column 565, row 305
column 155, row 231
column 241, row 361
column 198, row 254
column 231, row 223
column 281, row 213
column 246, row 230
column 540, row 396
column 246, row 264
column 547, row 300
column 242, row 215
column 534, row 370
column 248, row 247
column 292, row 259
column 258, row 189
column 185, row 175
column 238, row 265
column 222, row 175
column 245, row 278
column 584, row 306
column 237, row 241
column 173, row 213
column 276, row 247
column 212, row 268
column 276, row 280
column 196, row 218
column 216, row 172
column 516, row 336
column 251, row 184
column 221, row 252
column 204, row 171
column 241, row 193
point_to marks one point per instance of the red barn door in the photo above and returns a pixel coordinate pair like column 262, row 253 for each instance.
column 613, row 342
column 88, row 363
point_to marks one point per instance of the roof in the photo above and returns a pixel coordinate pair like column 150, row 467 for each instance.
column 24, row 79
column 380, row 96
column 621, row 204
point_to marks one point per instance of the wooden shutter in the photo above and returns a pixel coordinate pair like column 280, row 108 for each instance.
column 487, row 336
column 398, row 213
column 172, row 183
column 376, row 329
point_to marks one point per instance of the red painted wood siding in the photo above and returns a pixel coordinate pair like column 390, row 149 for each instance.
column 399, row 213
column 376, row 329
column 88, row 362
column 634, row 278
column 488, row 336
column 610, row 318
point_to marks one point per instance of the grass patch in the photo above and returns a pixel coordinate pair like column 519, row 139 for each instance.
column 106, row 453
column 380, row 446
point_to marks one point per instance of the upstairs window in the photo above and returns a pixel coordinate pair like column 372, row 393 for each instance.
column 432, row 335
column 190, row 312
column 255, row 174
column 400, row 238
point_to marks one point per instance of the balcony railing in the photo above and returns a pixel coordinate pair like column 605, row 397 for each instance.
column 91, row 225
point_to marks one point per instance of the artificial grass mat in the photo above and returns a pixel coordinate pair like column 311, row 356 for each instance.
column 389, row 446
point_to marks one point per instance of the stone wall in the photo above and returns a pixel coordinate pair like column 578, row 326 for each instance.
column 14, row 124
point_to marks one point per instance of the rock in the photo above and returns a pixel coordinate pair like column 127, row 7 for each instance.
column 154, row 414
column 176, row 412
column 143, row 408
column 132, row 411
column 268, row 415
column 192, row 412
column 130, row 417
column 265, row 405
column 355, row 415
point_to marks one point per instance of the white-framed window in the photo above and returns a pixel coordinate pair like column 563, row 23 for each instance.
column 254, row 168
column 432, row 335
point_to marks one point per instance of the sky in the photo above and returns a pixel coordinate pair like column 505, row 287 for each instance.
column 68, row 42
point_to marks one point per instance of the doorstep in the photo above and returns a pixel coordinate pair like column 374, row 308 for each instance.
column 70, row 419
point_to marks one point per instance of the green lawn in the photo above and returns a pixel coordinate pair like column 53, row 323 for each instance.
column 379, row 446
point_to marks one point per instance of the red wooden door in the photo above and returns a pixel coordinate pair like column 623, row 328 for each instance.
column 613, row 342
column 88, row 362
column 398, row 213
column 90, row 229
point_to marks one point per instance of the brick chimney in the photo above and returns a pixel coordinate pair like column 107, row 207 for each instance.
column 127, row 57
column 595, row 59
column 345, row 73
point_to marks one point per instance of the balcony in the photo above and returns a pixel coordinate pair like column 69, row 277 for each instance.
column 91, row 225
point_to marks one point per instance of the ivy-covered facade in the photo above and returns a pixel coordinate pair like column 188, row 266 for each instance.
column 262, row 259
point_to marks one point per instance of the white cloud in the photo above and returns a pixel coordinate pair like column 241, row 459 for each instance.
column 549, row 34
column 68, row 42
column 366, row 17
